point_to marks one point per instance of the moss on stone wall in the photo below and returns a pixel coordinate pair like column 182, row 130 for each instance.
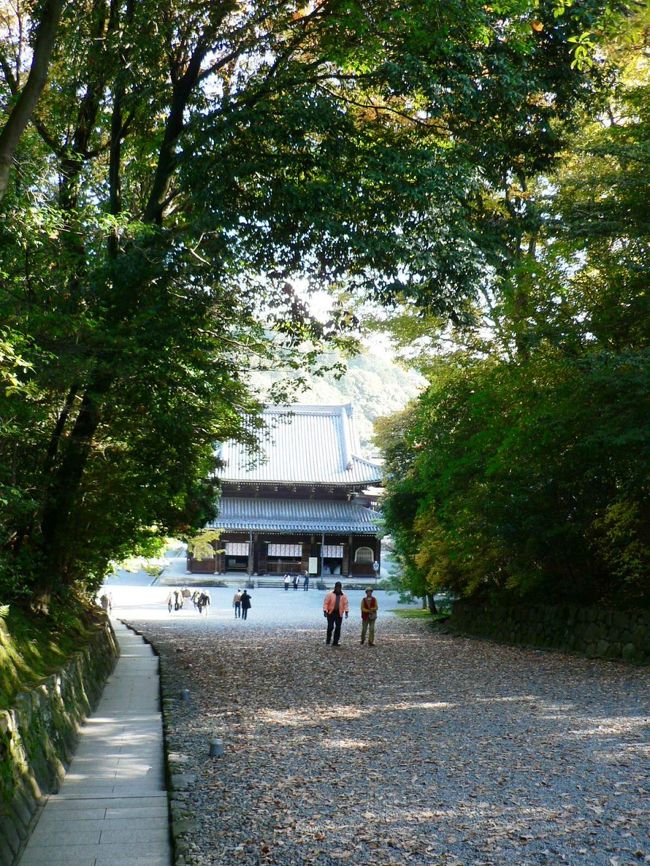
column 594, row 632
column 38, row 733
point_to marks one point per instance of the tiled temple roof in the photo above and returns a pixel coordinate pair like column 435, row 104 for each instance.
column 303, row 445
column 295, row 515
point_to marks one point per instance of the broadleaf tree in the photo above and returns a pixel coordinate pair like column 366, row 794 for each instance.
column 523, row 468
column 183, row 165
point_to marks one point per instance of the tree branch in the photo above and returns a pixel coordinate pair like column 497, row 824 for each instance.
column 182, row 91
column 24, row 107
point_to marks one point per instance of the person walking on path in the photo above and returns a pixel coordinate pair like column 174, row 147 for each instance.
column 203, row 603
column 287, row 581
column 295, row 581
column 236, row 603
column 245, row 604
column 305, row 583
column 369, row 608
column 335, row 605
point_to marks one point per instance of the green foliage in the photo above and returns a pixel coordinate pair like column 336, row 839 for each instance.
column 203, row 545
column 34, row 646
column 524, row 466
column 185, row 162
column 532, row 479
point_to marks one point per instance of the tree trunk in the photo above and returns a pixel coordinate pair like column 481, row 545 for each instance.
column 62, row 495
column 24, row 107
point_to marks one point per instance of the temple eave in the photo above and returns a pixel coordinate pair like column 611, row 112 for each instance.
column 256, row 526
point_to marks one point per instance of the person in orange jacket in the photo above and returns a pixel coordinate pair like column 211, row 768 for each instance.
column 335, row 604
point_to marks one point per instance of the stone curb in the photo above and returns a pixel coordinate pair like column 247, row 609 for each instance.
column 182, row 821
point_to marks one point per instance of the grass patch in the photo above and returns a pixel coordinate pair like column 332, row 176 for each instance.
column 33, row 646
column 424, row 613
column 412, row 613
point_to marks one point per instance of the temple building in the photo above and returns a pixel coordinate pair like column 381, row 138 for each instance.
column 302, row 504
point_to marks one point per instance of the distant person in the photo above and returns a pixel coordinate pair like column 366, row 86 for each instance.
column 375, row 568
column 236, row 603
column 335, row 605
column 105, row 602
column 295, row 581
column 245, row 604
column 203, row 602
column 369, row 608
column 287, row 581
column 305, row 582
column 170, row 602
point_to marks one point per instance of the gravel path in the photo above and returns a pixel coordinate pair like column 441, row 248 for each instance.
column 426, row 749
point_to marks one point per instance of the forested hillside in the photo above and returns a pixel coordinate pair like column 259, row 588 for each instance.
column 373, row 383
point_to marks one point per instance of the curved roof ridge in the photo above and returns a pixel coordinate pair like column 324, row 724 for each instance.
column 365, row 460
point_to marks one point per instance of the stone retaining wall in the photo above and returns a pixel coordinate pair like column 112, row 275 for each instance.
column 38, row 736
column 594, row 632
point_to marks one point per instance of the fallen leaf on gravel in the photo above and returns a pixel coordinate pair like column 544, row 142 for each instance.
column 446, row 752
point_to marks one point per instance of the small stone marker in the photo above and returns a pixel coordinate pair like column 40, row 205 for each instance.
column 216, row 748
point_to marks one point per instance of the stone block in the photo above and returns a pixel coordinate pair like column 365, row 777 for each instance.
column 6, row 854
column 629, row 652
column 614, row 650
column 17, row 818
column 620, row 619
column 602, row 648
column 29, row 802
column 641, row 636
column 9, row 833
column 183, row 781
column 183, row 826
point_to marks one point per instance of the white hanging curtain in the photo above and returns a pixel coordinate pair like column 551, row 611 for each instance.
column 236, row 548
column 285, row 550
column 332, row 551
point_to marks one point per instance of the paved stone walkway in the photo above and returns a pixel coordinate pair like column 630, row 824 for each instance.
column 112, row 807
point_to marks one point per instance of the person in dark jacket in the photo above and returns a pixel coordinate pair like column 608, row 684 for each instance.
column 245, row 604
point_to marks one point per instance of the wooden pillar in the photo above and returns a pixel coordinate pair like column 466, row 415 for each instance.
column 250, row 568
column 346, row 565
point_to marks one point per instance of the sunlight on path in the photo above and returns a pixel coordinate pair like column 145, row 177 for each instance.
column 425, row 749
